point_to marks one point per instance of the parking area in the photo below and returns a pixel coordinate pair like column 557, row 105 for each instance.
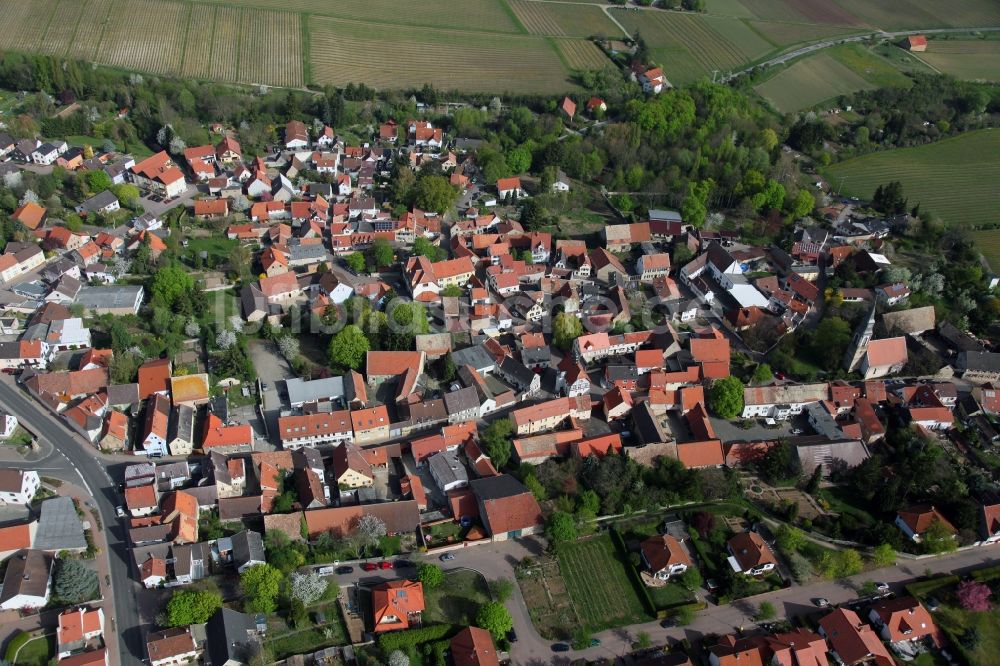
column 759, row 430
column 272, row 370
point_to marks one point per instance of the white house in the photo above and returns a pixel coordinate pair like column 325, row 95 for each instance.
column 18, row 486
column 8, row 424
column 45, row 154
column 27, row 582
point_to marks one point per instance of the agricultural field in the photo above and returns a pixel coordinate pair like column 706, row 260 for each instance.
column 87, row 36
column 605, row 601
column 24, row 23
column 150, row 37
column 477, row 15
column 784, row 35
column 825, row 75
column 581, row 54
column 689, row 46
column 559, row 20
column 954, row 178
column 802, row 11
column 988, row 243
column 917, row 14
column 970, row 59
column 448, row 59
column 62, row 26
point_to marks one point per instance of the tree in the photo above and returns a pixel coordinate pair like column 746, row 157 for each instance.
column 849, row 563
column 74, row 582
column 974, row 596
column 502, row 589
column 494, row 617
column 348, row 348
column 95, row 181
column 423, row 247
column 684, row 616
column 355, row 261
column 188, row 607
column 240, row 260
column 889, row 198
column 448, row 369
column 496, row 441
column 694, row 209
column 435, row 193
column 643, row 640
column 691, row 578
column 790, row 539
column 566, row 328
column 561, row 527
column 398, row 658
column 371, row 529
column 803, row 204
column 766, row 611
column 762, row 373
column 817, row 477
column 298, row 617
column 308, row 588
column 581, row 638
column 170, row 285
column 261, row 585
column 452, row 290
column 939, row 538
column 430, row 575
column 289, row 347
column 884, row 556
column 225, row 339
column 725, row 398
column 380, row 254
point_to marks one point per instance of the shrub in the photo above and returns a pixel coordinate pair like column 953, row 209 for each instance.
column 401, row 640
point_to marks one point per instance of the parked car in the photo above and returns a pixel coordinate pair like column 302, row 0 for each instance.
column 384, row 564
column 883, row 588
column 368, row 566
column 595, row 642
column 821, row 602
column 120, row 511
column 403, row 563
column 447, row 557
column 512, row 636
column 344, row 570
column 560, row 647
column 669, row 622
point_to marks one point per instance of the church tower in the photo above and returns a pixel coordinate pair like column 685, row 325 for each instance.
column 859, row 344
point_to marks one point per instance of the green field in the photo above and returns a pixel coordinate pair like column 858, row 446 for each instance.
column 840, row 70
column 988, row 243
column 558, row 20
column 970, row 59
column 918, row 14
column 598, row 584
column 955, row 178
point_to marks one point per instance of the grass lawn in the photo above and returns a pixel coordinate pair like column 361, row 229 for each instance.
column 136, row 149
column 809, row 82
column 843, row 501
column 457, row 599
column 21, row 437
column 221, row 305
column 36, row 652
column 310, row 639
column 986, row 626
column 599, row 585
column 217, row 247
column 954, row 178
column 671, row 594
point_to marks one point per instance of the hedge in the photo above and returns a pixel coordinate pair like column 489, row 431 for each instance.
column 923, row 587
column 401, row 640
column 633, row 574
column 987, row 573
column 15, row 645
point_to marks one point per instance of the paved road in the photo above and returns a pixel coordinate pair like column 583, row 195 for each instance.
column 71, row 457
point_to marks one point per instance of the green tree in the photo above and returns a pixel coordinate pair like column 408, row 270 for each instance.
column 725, row 398
column 766, row 611
column 494, row 617
column 817, row 478
column 74, row 582
column 423, row 247
column 802, row 204
column 448, row 369
column 684, row 616
column 790, row 538
column 95, row 181
column 883, row 556
column 435, row 193
column 380, row 254
column 496, row 441
column 868, row 589
column 348, row 348
column 355, row 261
column 762, row 373
column 519, row 159
column 643, row 640
column 561, row 527
column 188, row 607
column 849, row 563
column 694, row 209
column 581, row 638
column 297, row 614
column 430, row 575
column 261, row 585
column 170, row 286
column 532, row 483
column 691, row 578
column 566, row 328
column 452, row 290
column 502, row 589
column 939, row 538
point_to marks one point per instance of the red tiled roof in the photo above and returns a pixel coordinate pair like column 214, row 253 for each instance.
column 217, row 434
column 662, row 551
column 888, row 351
column 473, row 646
column 854, row 641
column 919, row 518
column 368, row 419
column 154, row 377
column 390, row 363
column 701, row 454
column 750, row 550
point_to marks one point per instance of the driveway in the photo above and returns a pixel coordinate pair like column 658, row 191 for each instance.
column 158, row 208
column 730, row 431
column 272, row 368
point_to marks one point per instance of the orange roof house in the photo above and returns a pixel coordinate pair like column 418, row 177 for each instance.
column 596, row 446
column 712, row 353
column 903, row 619
column 707, row 453
column 568, row 107
column 154, row 377
column 853, row 640
column 473, row 646
column 750, row 554
column 916, row 43
column 915, row 520
column 664, row 553
column 220, row 436
column 189, row 389
column 30, row 215
column 396, row 604
column 77, row 625
column 15, row 537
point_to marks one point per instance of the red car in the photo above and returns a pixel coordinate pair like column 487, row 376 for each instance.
column 368, row 566
column 385, row 565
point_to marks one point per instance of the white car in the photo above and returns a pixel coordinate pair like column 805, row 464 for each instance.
column 120, row 511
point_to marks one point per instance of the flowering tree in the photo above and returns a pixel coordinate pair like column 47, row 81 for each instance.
column 371, row 529
column 974, row 596
column 29, row 197
column 192, row 329
column 307, row 588
column 225, row 339
column 289, row 347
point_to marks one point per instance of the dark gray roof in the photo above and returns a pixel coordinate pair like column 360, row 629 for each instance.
column 248, row 546
column 536, row 356
column 123, row 394
column 980, row 361
column 517, row 371
column 646, row 426
column 301, row 391
column 497, row 487
column 461, row 400
column 59, row 527
column 447, row 469
column 98, row 201
column 28, row 573
column 231, row 636
column 477, row 357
